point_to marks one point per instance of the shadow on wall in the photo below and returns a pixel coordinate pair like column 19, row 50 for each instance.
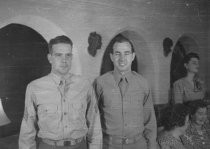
column 23, row 54
column 142, row 62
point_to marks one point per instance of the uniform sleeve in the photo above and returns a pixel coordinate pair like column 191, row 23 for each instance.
column 94, row 137
column 178, row 93
column 150, row 131
column 28, row 130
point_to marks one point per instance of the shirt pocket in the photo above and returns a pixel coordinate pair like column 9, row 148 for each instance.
column 136, row 98
column 48, row 117
column 112, row 99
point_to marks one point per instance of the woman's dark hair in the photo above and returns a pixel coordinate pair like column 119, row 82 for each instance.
column 195, row 105
column 188, row 57
column 175, row 116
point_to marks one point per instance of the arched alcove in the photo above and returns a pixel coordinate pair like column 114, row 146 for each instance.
column 143, row 63
column 185, row 44
column 23, row 54
column 46, row 30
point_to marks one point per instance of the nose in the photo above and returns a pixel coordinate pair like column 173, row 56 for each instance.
column 64, row 59
column 122, row 57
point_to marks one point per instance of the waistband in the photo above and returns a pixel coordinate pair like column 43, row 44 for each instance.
column 111, row 139
column 70, row 142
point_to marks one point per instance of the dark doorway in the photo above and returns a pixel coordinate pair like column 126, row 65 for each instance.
column 23, row 54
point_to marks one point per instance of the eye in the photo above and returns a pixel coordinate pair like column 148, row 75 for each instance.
column 69, row 55
column 127, row 53
column 57, row 54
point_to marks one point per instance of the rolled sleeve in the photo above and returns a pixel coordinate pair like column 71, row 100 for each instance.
column 28, row 127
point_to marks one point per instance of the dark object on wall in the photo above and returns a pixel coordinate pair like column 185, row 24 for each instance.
column 167, row 44
column 94, row 41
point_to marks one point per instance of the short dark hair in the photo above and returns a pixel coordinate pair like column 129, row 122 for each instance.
column 195, row 105
column 175, row 116
column 59, row 39
column 188, row 57
column 120, row 39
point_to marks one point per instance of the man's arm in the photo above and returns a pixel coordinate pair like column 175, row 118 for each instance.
column 150, row 131
column 94, row 137
column 28, row 129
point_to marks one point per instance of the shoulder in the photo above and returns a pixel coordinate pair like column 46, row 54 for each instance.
column 180, row 81
column 43, row 80
column 105, row 77
column 138, row 78
column 81, row 80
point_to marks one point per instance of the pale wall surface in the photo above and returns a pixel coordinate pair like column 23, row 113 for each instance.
column 151, row 20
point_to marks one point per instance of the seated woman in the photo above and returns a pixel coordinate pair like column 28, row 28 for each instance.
column 198, row 133
column 175, row 123
column 189, row 87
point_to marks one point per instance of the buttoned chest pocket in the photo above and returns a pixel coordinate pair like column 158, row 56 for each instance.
column 45, row 110
column 48, row 117
column 112, row 99
column 135, row 98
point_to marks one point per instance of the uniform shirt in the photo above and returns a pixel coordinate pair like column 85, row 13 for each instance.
column 194, row 140
column 129, row 115
column 183, row 91
column 60, row 113
column 167, row 141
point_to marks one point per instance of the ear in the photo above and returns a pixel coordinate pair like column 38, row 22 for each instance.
column 185, row 65
column 133, row 56
column 111, row 57
column 49, row 57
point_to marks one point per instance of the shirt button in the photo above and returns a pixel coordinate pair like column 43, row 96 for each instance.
column 203, row 142
column 66, row 126
column 64, row 113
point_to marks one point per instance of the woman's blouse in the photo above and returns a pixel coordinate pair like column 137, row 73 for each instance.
column 184, row 91
column 197, row 140
column 167, row 141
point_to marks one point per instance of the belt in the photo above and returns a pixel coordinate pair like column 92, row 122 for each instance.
column 110, row 139
column 63, row 142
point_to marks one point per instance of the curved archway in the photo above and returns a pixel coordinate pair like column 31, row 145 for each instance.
column 48, row 30
column 185, row 44
column 143, row 63
column 23, row 54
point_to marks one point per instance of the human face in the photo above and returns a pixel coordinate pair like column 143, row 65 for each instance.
column 200, row 116
column 193, row 65
column 122, row 56
column 60, row 58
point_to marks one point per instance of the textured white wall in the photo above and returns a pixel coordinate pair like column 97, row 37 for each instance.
column 151, row 20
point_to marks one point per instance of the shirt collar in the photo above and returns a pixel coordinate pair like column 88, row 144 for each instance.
column 117, row 76
column 57, row 78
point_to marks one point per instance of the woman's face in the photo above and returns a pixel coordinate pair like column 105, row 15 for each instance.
column 193, row 65
column 200, row 116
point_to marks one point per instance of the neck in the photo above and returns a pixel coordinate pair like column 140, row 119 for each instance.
column 190, row 76
column 60, row 75
column 122, row 72
column 176, row 133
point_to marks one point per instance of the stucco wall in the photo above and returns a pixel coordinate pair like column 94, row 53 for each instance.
column 152, row 20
